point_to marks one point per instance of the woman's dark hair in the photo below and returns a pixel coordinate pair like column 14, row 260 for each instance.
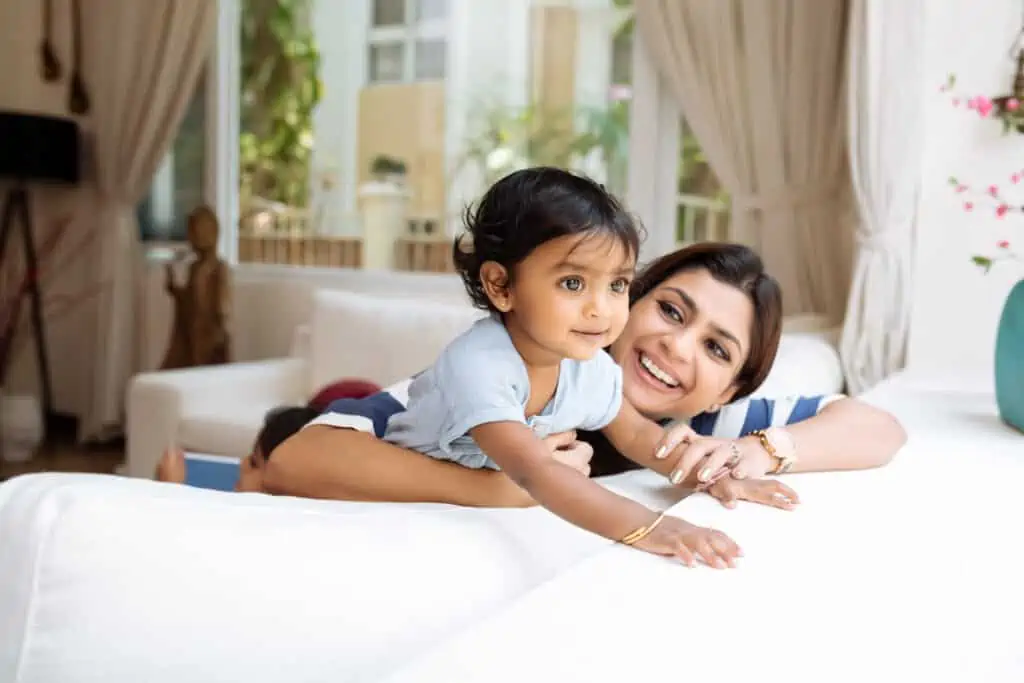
column 527, row 208
column 281, row 423
column 740, row 267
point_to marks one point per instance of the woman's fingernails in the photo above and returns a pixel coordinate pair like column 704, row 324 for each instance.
column 660, row 453
column 705, row 474
column 676, row 477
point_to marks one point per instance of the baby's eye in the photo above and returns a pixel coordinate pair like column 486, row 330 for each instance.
column 573, row 284
column 620, row 286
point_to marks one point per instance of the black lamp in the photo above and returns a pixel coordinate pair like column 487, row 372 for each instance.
column 34, row 149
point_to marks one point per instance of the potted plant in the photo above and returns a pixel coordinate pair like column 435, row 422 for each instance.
column 386, row 169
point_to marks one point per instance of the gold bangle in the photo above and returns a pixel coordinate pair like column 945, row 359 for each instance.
column 767, row 445
column 640, row 533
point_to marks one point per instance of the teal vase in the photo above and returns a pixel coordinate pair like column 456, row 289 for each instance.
column 1010, row 359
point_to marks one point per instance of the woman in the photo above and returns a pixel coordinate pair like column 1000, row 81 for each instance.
column 704, row 328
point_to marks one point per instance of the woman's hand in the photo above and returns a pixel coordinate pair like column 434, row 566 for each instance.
column 771, row 492
column 568, row 451
column 745, row 458
column 675, row 537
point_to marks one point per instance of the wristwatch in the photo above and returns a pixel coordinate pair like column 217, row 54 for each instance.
column 780, row 446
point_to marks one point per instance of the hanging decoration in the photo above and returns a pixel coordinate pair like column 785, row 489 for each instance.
column 50, row 65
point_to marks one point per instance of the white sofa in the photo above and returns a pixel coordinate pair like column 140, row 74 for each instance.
column 218, row 410
column 907, row 573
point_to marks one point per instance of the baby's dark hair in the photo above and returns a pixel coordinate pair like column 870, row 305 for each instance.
column 281, row 423
column 527, row 208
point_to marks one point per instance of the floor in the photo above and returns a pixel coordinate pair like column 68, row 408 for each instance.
column 61, row 453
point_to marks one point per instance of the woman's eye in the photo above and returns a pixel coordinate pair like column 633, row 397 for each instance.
column 670, row 311
column 718, row 351
column 573, row 284
column 620, row 286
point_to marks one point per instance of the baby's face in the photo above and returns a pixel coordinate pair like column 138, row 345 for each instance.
column 570, row 296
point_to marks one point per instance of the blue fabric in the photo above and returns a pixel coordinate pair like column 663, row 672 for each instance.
column 378, row 408
column 219, row 474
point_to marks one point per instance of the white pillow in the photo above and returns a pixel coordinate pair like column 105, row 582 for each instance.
column 379, row 338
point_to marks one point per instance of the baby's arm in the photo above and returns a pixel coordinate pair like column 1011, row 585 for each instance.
column 589, row 505
column 558, row 487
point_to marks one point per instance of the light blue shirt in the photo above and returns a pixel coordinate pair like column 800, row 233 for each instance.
column 481, row 378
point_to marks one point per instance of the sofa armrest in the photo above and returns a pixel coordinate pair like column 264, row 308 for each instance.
column 158, row 400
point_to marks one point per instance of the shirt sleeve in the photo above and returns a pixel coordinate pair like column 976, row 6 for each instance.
column 478, row 386
column 743, row 417
column 601, row 388
column 369, row 414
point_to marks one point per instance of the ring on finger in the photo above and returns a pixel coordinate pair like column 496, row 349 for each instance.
column 735, row 456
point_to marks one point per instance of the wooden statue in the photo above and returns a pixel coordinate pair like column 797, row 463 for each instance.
column 199, row 335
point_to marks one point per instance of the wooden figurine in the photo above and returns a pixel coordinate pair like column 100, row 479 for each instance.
column 199, row 335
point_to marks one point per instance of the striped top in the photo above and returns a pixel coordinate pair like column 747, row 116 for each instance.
column 734, row 420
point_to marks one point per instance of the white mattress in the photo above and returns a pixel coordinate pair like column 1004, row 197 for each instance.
column 908, row 573
column 105, row 579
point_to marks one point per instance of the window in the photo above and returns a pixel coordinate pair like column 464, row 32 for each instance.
column 407, row 41
column 336, row 170
column 179, row 185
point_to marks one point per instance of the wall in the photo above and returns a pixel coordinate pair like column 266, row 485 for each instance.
column 956, row 308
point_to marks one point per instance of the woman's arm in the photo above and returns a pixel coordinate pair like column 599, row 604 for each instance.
column 343, row 464
column 846, row 435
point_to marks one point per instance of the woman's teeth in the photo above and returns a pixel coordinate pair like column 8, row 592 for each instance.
column 657, row 372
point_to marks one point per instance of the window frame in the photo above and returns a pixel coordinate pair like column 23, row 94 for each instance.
column 407, row 34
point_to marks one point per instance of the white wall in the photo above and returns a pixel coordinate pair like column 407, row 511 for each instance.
column 956, row 308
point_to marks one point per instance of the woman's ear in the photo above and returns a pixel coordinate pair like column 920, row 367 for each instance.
column 494, row 279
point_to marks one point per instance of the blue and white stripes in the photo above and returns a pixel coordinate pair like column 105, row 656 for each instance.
column 732, row 421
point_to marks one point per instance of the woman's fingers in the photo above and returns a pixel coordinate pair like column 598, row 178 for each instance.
column 674, row 436
column 724, row 456
column 693, row 454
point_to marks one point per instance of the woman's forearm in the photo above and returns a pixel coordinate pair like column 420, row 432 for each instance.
column 846, row 435
column 343, row 464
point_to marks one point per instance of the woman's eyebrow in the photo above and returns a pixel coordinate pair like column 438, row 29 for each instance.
column 692, row 305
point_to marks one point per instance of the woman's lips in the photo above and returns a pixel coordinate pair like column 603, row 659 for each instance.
column 650, row 379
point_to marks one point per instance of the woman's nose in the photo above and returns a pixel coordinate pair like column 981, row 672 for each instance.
column 680, row 344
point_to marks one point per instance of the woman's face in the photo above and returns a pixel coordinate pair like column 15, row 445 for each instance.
column 683, row 346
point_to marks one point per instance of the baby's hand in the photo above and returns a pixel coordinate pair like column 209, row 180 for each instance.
column 674, row 537
column 770, row 492
column 576, row 455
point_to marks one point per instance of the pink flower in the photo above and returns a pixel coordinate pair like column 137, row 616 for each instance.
column 1003, row 244
column 961, row 188
column 1001, row 210
column 984, row 106
column 1012, row 104
column 968, row 206
column 972, row 103
column 956, row 101
column 993, row 190
column 1015, row 178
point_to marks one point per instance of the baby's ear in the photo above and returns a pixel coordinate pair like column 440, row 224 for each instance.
column 494, row 279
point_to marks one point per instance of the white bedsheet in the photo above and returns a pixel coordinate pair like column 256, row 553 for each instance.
column 907, row 573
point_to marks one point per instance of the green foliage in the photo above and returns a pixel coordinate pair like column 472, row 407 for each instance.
column 280, row 89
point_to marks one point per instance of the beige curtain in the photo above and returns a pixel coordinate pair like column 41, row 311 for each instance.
column 886, row 143
column 141, row 60
column 760, row 83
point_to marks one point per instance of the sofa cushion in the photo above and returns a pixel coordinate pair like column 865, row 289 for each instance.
column 807, row 365
column 224, row 429
column 381, row 339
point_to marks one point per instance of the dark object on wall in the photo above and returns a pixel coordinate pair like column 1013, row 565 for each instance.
column 36, row 149
column 78, row 97
column 47, row 54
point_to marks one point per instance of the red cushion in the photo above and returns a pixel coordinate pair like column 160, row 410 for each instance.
column 343, row 388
